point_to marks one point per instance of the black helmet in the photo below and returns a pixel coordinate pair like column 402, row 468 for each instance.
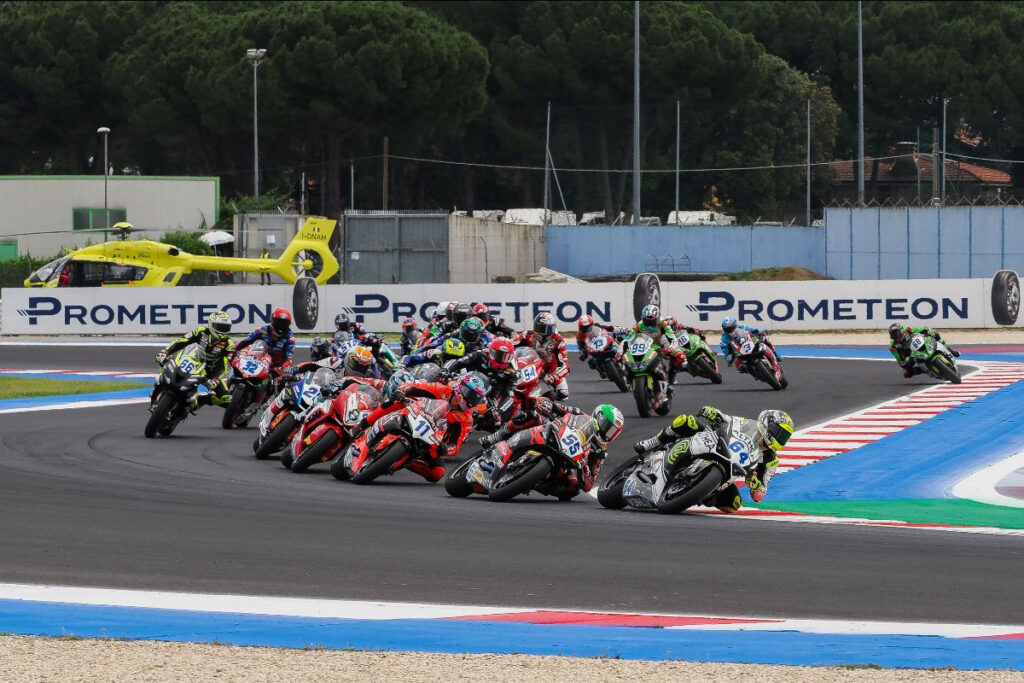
column 320, row 349
column 470, row 330
column 895, row 331
column 544, row 324
column 342, row 323
column 462, row 312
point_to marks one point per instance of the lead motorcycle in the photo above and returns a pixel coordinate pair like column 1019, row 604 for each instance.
column 933, row 358
column 174, row 389
column 282, row 418
column 551, row 463
column 250, row 384
column 330, row 426
column 605, row 356
column 646, row 371
column 759, row 361
column 710, row 460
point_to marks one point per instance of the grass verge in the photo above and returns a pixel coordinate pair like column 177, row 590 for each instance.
column 30, row 387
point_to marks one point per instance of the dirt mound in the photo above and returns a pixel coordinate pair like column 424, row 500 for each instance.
column 777, row 274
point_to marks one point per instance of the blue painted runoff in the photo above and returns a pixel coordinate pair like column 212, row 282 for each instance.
column 85, row 377
column 453, row 636
column 922, row 461
column 38, row 401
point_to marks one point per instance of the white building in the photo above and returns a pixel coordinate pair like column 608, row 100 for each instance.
column 42, row 214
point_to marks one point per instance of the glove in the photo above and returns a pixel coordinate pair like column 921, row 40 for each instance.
column 521, row 417
column 757, row 488
column 544, row 406
column 406, row 360
column 288, row 375
column 646, row 445
column 161, row 357
column 364, row 423
column 550, row 380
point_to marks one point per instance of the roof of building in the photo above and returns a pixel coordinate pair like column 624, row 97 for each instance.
column 893, row 171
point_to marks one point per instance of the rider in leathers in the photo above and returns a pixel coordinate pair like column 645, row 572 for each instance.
column 213, row 339
column 770, row 431
column 660, row 331
column 495, row 327
column 279, row 338
column 496, row 364
column 729, row 328
column 899, row 347
column 550, row 346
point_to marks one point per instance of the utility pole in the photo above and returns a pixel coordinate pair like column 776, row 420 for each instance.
column 351, row 185
column 917, row 164
column 547, row 164
column 677, row 160
column 936, row 198
column 384, row 178
column 945, row 101
column 808, row 161
column 302, row 196
column 105, row 132
column 860, row 105
column 636, row 112
column 255, row 57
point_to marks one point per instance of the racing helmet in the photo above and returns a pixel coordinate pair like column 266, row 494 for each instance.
column 609, row 421
column 895, row 331
column 320, row 349
column 358, row 362
column 469, row 391
column 729, row 325
column 342, row 323
column 401, row 376
column 280, row 320
column 775, row 428
column 482, row 311
column 439, row 310
column 500, row 353
column 461, row 312
column 544, row 324
column 585, row 322
column 650, row 315
column 449, row 310
column 470, row 330
column 453, row 347
column 673, row 322
column 407, row 324
column 219, row 324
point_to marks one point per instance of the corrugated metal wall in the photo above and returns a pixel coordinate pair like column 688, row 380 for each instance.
column 43, row 206
column 395, row 248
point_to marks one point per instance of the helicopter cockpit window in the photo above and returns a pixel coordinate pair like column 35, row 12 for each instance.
column 49, row 271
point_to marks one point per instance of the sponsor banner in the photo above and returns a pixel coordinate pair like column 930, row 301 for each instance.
column 817, row 305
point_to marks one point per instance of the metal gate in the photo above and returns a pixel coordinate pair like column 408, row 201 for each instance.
column 395, row 248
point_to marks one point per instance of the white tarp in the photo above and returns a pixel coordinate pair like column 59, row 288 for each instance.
column 814, row 305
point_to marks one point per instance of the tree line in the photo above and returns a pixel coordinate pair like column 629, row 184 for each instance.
column 470, row 82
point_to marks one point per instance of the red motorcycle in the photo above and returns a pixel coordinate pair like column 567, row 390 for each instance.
column 606, row 356
column 757, row 359
column 330, row 427
column 423, row 423
column 250, row 384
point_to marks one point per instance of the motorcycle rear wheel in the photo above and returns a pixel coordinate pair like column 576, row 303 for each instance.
column 609, row 495
column 946, row 371
column 703, row 484
column 239, row 394
column 159, row 414
column 455, row 483
column 315, row 452
column 276, row 438
column 769, row 375
column 616, row 376
column 643, row 400
column 523, row 480
column 705, row 369
column 381, row 465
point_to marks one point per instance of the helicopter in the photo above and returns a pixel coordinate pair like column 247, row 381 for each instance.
column 145, row 263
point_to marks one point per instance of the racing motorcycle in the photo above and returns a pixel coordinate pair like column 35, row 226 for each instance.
column 701, row 361
column 423, row 427
column 933, row 358
column 249, row 382
column 342, row 342
column 281, row 420
column 645, row 369
column 709, row 461
column 174, row 390
column 531, row 370
column 330, row 426
column 605, row 356
column 759, row 361
column 551, row 463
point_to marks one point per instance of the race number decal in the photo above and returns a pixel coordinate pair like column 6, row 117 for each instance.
column 917, row 343
column 739, row 449
column 747, row 348
column 251, row 366
column 571, row 444
column 704, row 442
column 684, row 339
column 597, row 344
column 638, row 348
column 529, row 373
column 311, row 393
column 187, row 366
column 421, row 427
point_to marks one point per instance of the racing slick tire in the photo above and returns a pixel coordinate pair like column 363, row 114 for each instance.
column 617, row 378
column 1005, row 297
column 609, row 495
column 455, row 484
column 706, row 370
column 314, row 453
column 640, row 393
column 705, row 483
column 522, row 480
column 382, row 465
column 947, row 371
column 646, row 290
column 276, row 438
column 159, row 414
column 306, row 303
column 239, row 394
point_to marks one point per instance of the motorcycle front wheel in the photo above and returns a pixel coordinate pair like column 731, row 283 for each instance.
column 679, row 495
column 523, row 477
column 616, row 376
column 276, row 438
column 706, row 370
column 945, row 370
column 610, row 493
column 159, row 414
column 643, row 401
column 382, row 465
column 769, row 375
column 239, row 400
column 455, row 483
column 315, row 452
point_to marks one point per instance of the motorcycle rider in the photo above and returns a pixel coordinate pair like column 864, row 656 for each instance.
column 359, row 362
column 496, row 364
column 470, row 337
column 899, row 346
column 771, row 431
column 382, row 353
column 213, row 339
column 280, row 341
column 660, row 331
column 342, row 323
column 605, row 426
column 550, row 346
column 678, row 327
column 583, row 326
column 729, row 335
column 410, row 333
column 462, row 397
column 496, row 327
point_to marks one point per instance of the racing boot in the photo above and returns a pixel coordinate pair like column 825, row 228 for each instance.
column 671, row 381
column 727, row 500
column 497, row 437
column 429, row 468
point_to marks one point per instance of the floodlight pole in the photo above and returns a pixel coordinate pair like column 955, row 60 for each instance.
column 105, row 132
column 636, row 112
column 255, row 57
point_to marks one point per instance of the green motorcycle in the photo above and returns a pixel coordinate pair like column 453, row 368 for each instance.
column 701, row 361
column 933, row 358
column 645, row 369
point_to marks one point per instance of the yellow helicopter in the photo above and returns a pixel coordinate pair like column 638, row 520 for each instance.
column 144, row 263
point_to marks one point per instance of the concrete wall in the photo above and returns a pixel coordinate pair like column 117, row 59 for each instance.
column 42, row 206
column 618, row 250
column 933, row 242
column 481, row 250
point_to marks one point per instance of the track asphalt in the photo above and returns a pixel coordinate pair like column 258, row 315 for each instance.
column 91, row 502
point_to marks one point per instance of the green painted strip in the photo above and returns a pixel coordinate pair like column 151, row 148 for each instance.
column 948, row 511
